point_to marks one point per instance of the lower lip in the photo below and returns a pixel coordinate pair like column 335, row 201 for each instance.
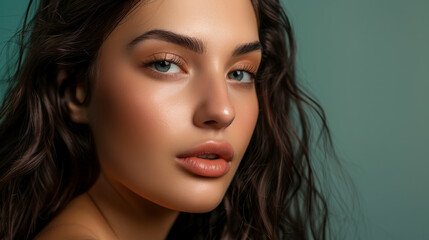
column 205, row 167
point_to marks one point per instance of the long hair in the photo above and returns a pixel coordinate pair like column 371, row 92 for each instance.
column 46, row 159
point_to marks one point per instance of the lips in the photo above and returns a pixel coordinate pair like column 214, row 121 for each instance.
column 208, row 159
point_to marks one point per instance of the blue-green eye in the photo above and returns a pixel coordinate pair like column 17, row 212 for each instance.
column 240, row 75
column 166, row 67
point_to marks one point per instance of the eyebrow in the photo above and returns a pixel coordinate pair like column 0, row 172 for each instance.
column 191, row 43
column 247, row 48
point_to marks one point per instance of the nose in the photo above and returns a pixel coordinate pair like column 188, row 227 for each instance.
column 214, row 109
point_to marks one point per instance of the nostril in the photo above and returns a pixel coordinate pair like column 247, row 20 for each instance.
column 221, row 123
column 210, row 122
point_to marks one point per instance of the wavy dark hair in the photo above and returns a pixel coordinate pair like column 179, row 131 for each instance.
column 46, row 159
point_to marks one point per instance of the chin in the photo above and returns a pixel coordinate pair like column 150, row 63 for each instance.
column 201, row 207
column 195, row 202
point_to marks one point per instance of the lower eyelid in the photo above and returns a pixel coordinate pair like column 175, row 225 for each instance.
column 163, row 76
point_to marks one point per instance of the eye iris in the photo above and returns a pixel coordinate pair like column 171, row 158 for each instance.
column 162, row 66
column 237, row 75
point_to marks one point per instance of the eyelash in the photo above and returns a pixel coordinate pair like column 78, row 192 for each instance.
column 180, row 63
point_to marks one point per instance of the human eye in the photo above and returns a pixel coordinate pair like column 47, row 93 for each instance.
column 243, row 74
column 167, row 64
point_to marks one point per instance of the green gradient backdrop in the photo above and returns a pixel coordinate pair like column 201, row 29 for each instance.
column 367, row 62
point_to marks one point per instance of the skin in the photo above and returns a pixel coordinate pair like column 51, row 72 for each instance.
column 142, row 118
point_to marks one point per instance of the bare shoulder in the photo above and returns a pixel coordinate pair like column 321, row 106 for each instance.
column 80, row 220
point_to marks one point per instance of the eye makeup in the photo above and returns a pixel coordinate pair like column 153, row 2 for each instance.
column 170, row 66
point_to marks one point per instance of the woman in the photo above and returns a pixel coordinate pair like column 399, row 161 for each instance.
column 158, row 119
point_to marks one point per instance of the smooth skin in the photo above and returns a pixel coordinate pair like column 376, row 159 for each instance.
column 154, row 98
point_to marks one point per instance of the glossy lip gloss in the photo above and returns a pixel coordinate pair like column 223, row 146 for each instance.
column 195, row 160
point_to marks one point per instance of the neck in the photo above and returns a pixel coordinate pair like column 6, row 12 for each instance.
column 129, row 215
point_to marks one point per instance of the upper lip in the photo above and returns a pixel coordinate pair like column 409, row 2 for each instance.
column 221, row 148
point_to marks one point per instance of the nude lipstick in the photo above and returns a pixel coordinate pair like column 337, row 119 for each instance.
column 208, row 159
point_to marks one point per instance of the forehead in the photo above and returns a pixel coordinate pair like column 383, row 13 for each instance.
column 209, row 20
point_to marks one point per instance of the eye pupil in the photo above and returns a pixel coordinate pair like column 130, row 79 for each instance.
column 238, row 75
column 162, row 66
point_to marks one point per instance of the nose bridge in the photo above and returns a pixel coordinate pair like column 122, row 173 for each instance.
column 214, row 109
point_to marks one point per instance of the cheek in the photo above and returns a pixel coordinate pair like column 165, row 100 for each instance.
column 129, row 110
column 128, row 116
column 246, row 114
column 118, row 115
column 130, row 119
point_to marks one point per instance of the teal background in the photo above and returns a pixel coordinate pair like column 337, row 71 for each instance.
column 367, row 63
column 11, row 15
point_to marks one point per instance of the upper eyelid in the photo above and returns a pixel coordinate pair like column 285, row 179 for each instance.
column 167, row 57
column 246, row 67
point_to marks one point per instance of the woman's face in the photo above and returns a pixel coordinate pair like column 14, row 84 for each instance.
column 174, row 87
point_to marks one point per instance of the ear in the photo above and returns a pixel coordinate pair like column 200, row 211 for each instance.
column 74, row 97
